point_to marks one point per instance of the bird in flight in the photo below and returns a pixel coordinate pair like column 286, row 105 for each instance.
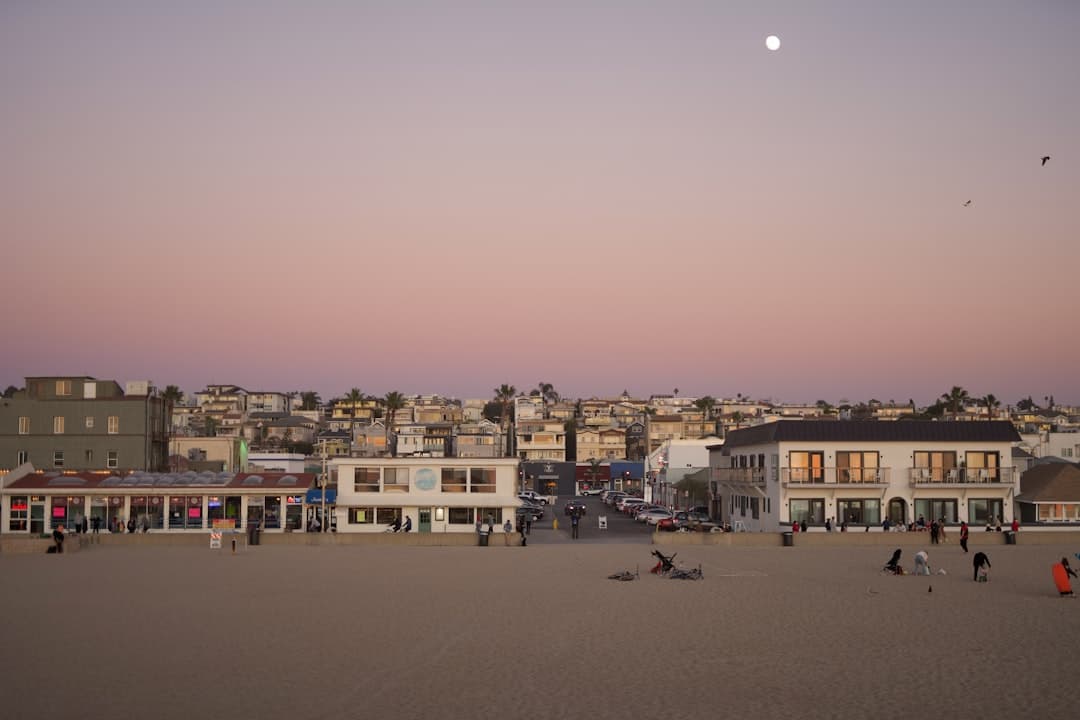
column 1045, row 158
column 967, row 203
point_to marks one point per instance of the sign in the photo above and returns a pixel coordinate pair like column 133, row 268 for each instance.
column 314, row 496
column 603, row 522
column 229, row 524
column 215, row 539
column 294, row 500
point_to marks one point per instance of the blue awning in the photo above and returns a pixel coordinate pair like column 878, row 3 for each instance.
column 314, row 496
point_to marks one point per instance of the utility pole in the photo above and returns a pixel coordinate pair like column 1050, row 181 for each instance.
column 323, row 483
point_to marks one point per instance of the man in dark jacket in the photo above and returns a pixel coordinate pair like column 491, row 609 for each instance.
column 978, row 562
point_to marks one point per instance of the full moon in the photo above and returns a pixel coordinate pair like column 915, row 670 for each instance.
column 772, row 42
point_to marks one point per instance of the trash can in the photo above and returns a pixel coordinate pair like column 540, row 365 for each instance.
column 789, row 539
column 253, row 534
column 1010, row 537
column 484, row 538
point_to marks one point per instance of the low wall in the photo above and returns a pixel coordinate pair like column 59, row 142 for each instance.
column 27, row 545
column 202, row 538
column 857, row 539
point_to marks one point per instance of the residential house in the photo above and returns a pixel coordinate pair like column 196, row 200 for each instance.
column 1049, row 494
column 268, row 402
column 540, row 440
column 607, row 443
column 478, row 439
column 368, row 440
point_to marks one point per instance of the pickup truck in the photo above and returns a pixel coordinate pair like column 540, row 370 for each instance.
column 533, row 496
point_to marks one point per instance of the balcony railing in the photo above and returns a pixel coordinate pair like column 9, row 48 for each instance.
column 961, row 476
column 739, row 476
column 835, row 476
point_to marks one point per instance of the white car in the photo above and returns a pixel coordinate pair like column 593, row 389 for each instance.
column 533, row 496
column 654, row 516
column 626, row 504
column 592, row 491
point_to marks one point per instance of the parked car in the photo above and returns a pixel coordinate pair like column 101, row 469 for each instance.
column 573, row 506
column 613, row 496
column 530, row 511
column 652, row 517
column 592, row 491
column 533, row 496
column 625, row 504
column 637, row 510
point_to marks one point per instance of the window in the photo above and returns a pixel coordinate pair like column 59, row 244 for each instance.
column 807, row 467
column 396, row 479
column 387, row 515
column 114, row 424
column 461, row 516
column 112, row 459
column 23, row 457
column 24, row 425
column 89, row 422
column 361, row 515
column 984, row 510
column 58, row 458
column 453, row 480
column 482, row 480
column 859, row 512
column 63, row 387
column 496, row 515
column 366, row 479
column 856, row 467
column 58, row 425
column 89, row 457
column 936, row 510
column 938, row 465
column 17, row 516
column 982, row 467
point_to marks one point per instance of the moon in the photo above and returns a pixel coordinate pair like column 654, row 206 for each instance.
column 772, row 42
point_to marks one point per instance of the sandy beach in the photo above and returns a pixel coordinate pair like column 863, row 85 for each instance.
column 536, row 632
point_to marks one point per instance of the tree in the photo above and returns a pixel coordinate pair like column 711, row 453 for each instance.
column 504, row 395
column 10, row 391
column 393, row 401
column 594, row 470
column 169, row 396
column 706, row 405
column 991, row 403
column 825, row 408
column 547, row 391
column 1025, row 404
column 310, row 400
column 955, row 399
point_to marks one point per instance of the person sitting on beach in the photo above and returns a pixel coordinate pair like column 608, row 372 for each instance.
column 921, row 523
column 893, row 565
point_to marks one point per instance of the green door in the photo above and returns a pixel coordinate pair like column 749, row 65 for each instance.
column 424, row 525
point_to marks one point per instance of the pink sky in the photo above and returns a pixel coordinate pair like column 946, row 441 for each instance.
column 443, row 197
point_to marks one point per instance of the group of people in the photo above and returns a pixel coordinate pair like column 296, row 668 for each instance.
column 980, row 563
column 397, row 525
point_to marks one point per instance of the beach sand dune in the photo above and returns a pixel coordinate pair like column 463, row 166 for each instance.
column 537, row 632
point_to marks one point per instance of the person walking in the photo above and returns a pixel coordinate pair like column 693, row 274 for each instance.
column 58, row 538
column 828, row 524
column 963, row 535
column 1015, row 527
column 980, row 564
column 575, row 521
column 941, row 531
column 933, row 532
column 803, row 525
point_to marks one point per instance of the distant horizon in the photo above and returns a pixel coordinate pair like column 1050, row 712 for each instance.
column 455, row 195
column 920, row 400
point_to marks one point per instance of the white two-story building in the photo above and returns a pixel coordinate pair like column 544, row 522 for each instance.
column 862, row 472
column 437, row 494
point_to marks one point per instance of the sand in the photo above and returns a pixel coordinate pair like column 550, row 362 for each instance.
column 536, row 632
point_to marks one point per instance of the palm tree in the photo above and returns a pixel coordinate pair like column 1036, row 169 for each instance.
column 955, row 399
column 991, row 403
column 310, row 400
column 594, row 470
column 547, row 391
column 504, row 396
column 393, row 401
column 706, row 405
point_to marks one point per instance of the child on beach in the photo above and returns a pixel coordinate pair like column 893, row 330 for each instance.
column 980, row 563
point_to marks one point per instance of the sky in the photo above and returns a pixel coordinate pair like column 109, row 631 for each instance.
column 443, row 196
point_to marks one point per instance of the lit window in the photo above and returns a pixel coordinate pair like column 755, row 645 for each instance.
column 63, row 387
column 58, row 425
column 114, row 424
column 24, row 425
column 89, row 421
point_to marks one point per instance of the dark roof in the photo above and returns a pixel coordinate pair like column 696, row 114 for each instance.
column 1056, row 482
column 1019, row 452
column 873, row 431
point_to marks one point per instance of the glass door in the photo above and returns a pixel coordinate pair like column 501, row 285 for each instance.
column 424, row 525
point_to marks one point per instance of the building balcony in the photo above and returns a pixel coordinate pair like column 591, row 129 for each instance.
column 739, row 476
column 835, row 476
column 933, row 477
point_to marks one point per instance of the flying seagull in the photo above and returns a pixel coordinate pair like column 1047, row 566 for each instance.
column 1045, row 158
column 967, row 203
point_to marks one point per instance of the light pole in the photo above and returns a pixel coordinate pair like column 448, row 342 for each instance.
column 322, row 454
